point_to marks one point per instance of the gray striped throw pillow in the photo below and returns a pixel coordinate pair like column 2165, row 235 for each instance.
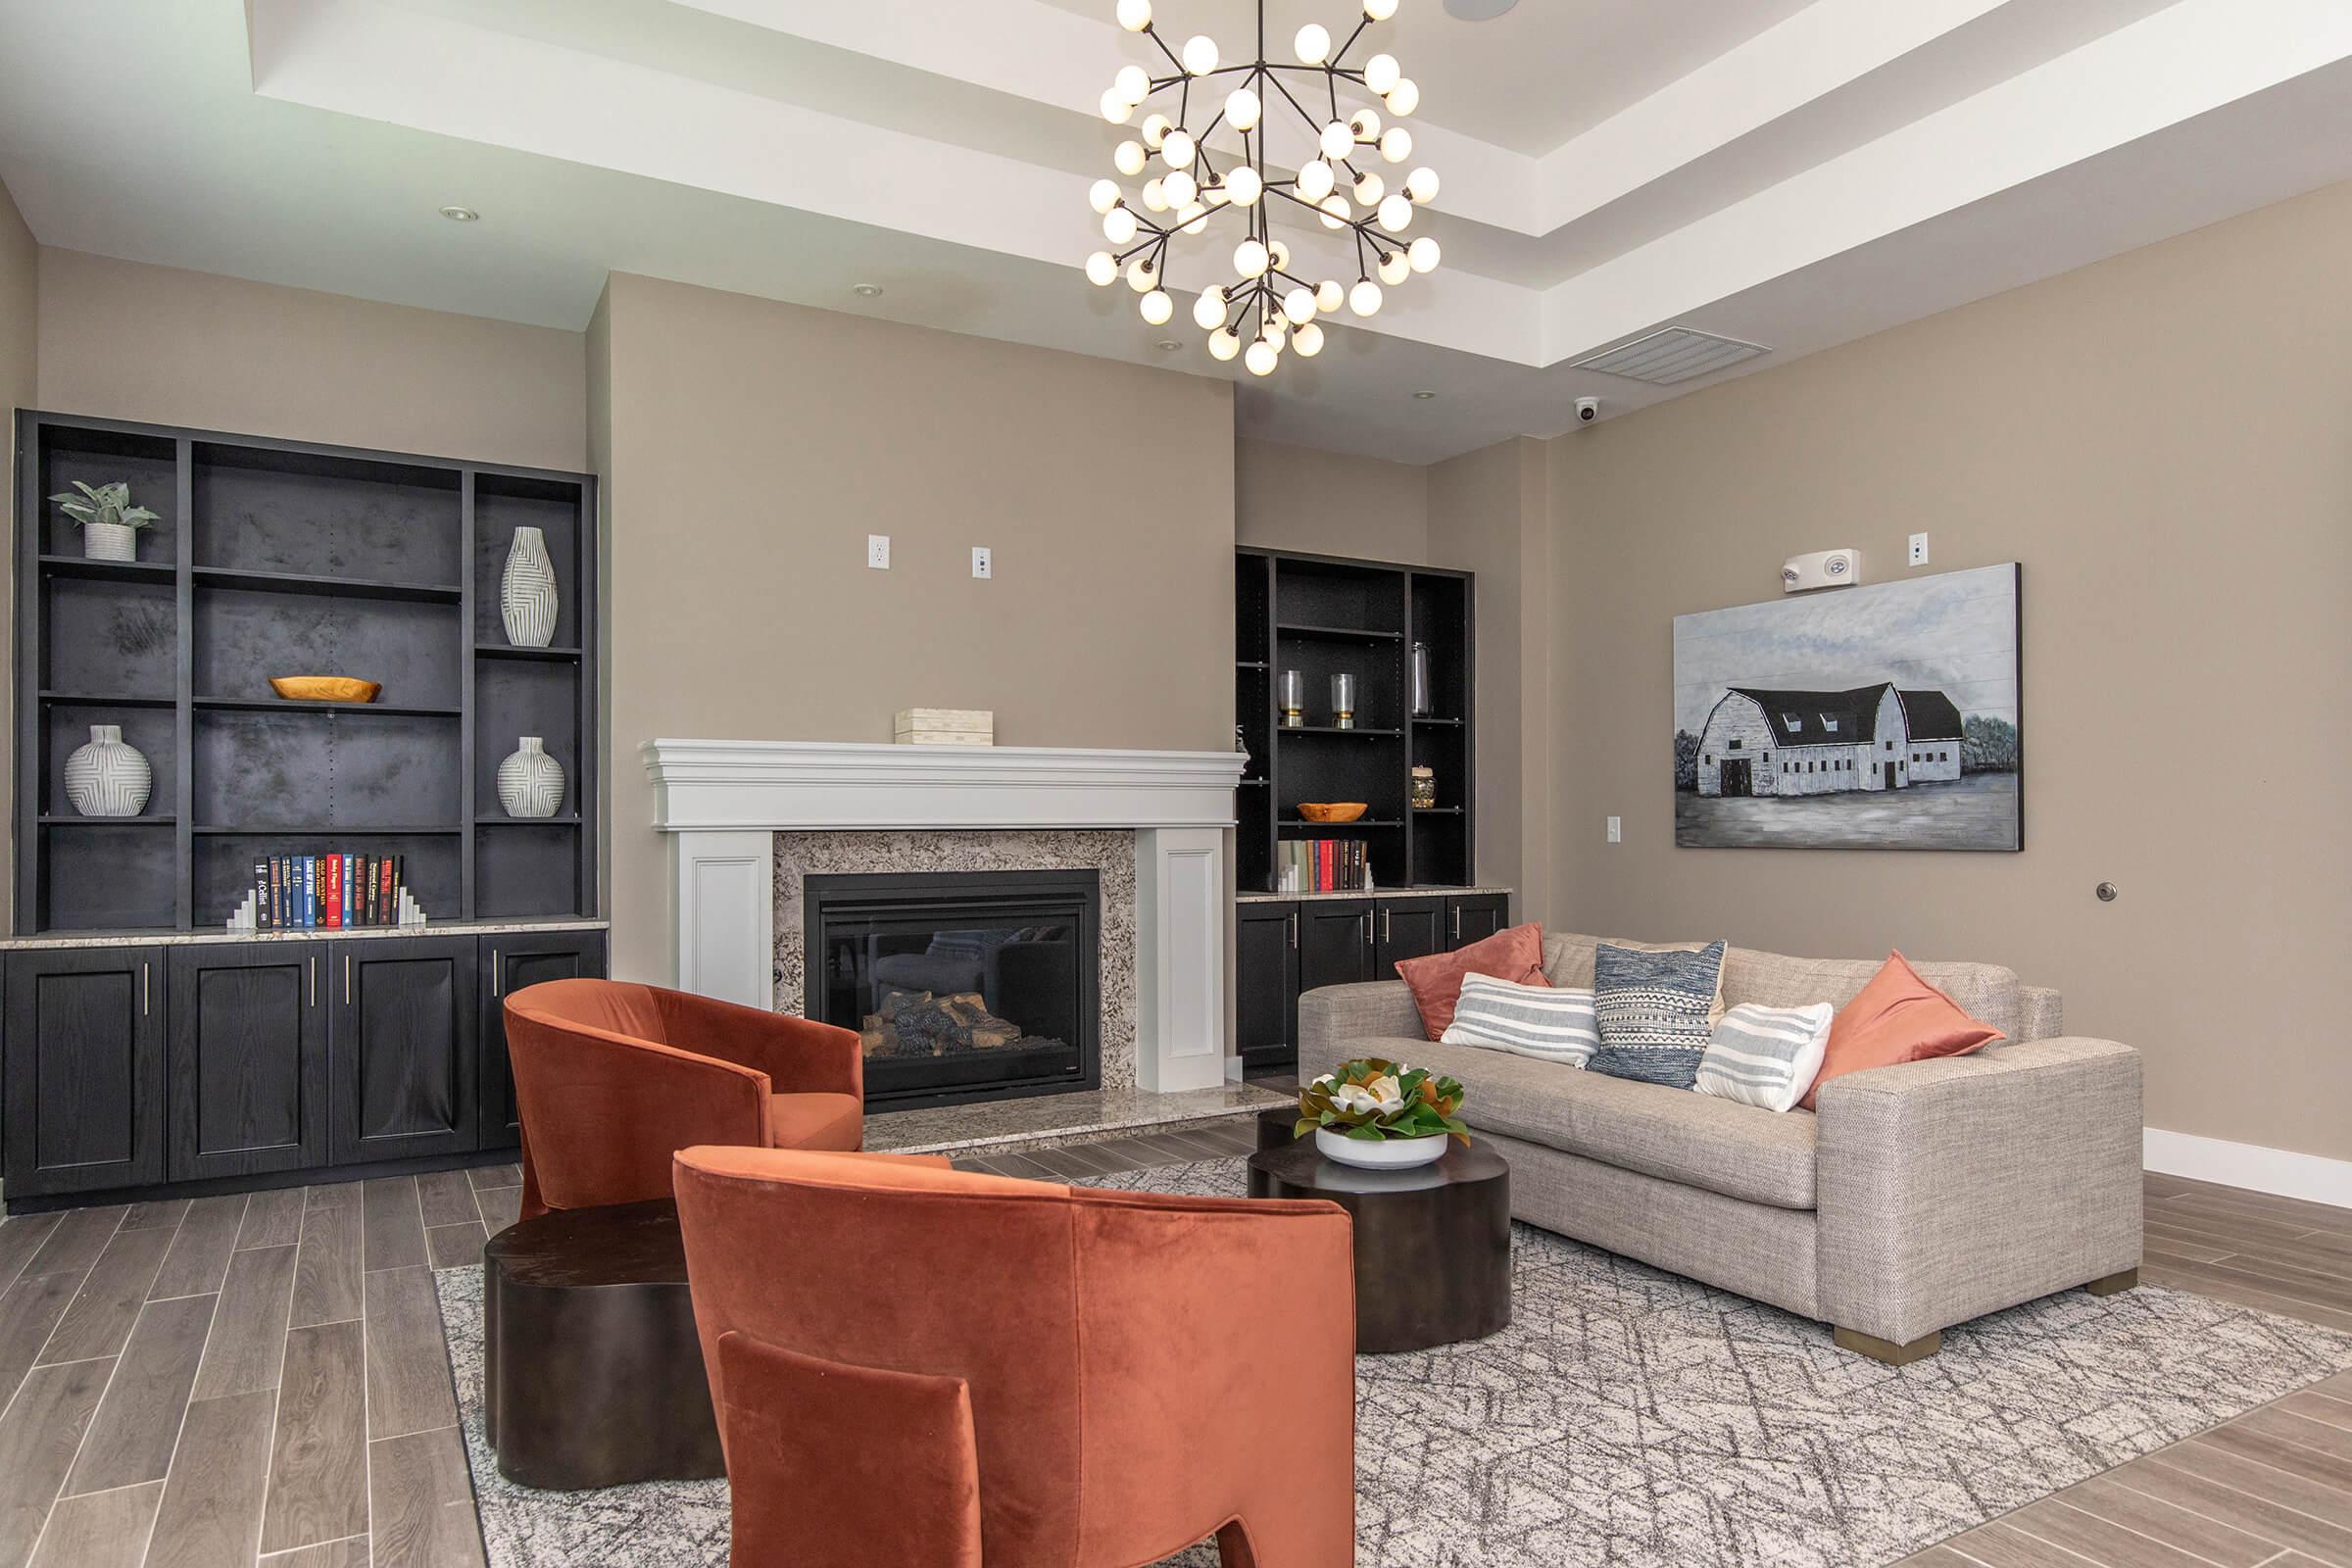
column 1654, row 1008
column 1556, row 1024
column 1766, row 1056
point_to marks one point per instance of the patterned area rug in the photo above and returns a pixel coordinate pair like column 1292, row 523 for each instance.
column 1631, row 1417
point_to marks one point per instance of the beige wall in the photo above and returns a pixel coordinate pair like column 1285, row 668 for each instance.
column 128, row 341
column 753, row 446
column 20, row 302
column 1296, row 498
column 2160, row 439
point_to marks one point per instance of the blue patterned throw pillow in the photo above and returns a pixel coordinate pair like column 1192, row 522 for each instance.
column 1652, row 1010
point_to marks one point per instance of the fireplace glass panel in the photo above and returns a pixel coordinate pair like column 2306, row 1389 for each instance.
column 961, row 985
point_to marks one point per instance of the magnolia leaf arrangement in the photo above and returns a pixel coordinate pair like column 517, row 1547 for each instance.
column 1373, row 1099
column 108, row 504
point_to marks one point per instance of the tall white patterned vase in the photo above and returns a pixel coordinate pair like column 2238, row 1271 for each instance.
column 530, row 783
column 109, row 777
column 527, row 593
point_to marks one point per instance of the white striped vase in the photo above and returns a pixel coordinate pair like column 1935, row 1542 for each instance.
column 108, row 777
column 530, row 783
column 527, row 592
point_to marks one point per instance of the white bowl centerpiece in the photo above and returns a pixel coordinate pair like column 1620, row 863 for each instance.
column 1381, row 1115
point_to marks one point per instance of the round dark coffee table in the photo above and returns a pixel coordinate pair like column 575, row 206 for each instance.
column 1433, row 1246
column 592, row 1371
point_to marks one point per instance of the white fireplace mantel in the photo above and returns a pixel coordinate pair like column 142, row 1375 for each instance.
column 723, row 802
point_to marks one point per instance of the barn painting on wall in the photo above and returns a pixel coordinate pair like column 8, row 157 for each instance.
column 1878, row 717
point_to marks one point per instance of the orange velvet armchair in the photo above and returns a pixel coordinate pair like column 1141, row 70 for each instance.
column 957, row 1369
column 611, row 1079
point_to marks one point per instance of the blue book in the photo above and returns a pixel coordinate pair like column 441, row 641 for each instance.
column 309, row 891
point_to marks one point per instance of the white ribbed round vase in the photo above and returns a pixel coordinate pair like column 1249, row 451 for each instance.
column 1389, row 1153
column 110, row 541
column 530, row 783
column 108, row 777
column 527, row 592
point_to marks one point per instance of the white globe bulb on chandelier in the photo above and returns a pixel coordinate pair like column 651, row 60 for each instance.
column 1267, row 309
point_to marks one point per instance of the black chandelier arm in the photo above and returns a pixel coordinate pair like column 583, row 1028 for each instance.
column 1285, row 93
column 1152, row 32
column 1340, row 53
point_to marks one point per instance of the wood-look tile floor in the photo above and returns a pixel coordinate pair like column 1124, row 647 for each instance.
column 262, row 1380
column 228, row 1381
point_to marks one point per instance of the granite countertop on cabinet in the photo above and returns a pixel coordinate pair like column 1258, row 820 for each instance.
column 1372, row 893
column 216, row 934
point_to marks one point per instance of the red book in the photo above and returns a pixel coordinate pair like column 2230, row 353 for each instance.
column 331, row 892
column 1326, row 865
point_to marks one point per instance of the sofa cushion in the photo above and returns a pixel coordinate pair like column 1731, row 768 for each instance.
column 1738, row 1150
column 1654, row 1010
column 1548, row 1022
column 822, row 1121
column 1515, row 955
column 1899, row 1018
column 1988, row 990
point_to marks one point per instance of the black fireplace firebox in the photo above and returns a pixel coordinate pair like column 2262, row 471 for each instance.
column 962, row 985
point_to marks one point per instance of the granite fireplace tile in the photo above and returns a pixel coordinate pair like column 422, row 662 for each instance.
column 1108, row 852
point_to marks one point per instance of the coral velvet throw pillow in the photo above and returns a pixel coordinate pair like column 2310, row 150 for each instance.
column 1897, row 1017
column 1515, row 955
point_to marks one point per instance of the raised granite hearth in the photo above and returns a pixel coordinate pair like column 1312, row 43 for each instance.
column 1108, row 852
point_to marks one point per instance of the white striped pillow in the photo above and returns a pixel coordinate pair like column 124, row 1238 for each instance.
column 1553, row 1023
column 1766, row 1056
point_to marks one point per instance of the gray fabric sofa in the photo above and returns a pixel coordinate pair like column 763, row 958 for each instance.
column 1917, row 1197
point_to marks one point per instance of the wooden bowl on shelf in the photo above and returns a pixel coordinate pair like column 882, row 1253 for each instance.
column 324, row 688
column 1332, row 810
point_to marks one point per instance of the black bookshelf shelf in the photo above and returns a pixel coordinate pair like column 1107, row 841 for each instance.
column 1327, row 615
column 282, row 558
column 300, row 582
column 501, row 820
column 1437, row 811
column 84, row 567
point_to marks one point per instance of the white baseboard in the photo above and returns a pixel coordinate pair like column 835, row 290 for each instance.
column 2281, row 1171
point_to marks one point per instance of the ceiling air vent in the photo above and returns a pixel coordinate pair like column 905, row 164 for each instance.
column 1669, row 355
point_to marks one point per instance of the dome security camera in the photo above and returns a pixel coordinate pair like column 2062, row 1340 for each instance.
column 1586, row 409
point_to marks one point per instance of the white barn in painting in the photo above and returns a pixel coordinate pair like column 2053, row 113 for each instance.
column 1764, row 741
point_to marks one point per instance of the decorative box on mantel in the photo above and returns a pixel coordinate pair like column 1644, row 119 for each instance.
column 723, row 803
column 945, row 727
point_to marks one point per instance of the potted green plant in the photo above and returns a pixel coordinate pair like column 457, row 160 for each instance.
column 1382, row 1116
column 110, row 523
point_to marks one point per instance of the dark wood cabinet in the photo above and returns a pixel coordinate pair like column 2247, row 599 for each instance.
column 248, row 1059
column 1472, row 916
column 1334, row 942
column 1407, row 929
column 85, row 1070
column 511, row 963
column 1266, row 984
column 402, row 1055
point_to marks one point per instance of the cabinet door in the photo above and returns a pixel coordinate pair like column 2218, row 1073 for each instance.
column 1267, row 983
column 509, row 963
column 1334, row 942
column 1410, row 928
column 402, row 1052
column 248, row 1059
column 1475, row 915
column 85, row 1070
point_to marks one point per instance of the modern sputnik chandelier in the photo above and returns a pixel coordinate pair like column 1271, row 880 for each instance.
column 1269, row 307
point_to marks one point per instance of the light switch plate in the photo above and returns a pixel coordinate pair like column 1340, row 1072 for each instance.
column 1616, row 830
column 1919, row 550
column 877, row 551
column 983, row 563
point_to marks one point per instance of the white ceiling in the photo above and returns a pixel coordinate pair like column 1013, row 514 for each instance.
column 1793, row 172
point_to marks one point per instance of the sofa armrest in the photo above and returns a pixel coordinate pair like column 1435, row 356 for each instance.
column 1957, row 1187
column 799, row 1056
column 2041, row 1013
column 1331, row 1019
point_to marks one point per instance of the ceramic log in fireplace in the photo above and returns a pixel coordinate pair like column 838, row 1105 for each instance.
column 962, row 985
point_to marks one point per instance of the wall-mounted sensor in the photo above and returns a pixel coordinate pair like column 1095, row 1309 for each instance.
column 1824, row 568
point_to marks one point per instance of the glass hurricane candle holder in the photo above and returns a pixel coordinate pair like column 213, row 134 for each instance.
column 1342, row 702
column 1293, row 699
column 1423, row 790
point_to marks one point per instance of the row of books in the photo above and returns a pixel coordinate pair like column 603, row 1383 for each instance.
column 326, row 892
column 1322, row 866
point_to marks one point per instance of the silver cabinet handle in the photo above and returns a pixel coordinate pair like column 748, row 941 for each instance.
column 1457, row 922
column 1294, row 924
column 494, row 974
column 1384, row 923
column 312, row 964
column 144, row 1009
column 1367, row 928
column 347, row 979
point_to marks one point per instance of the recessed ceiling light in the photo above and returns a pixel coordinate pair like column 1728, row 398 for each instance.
column 866, row 292
column 461, row 214
column 1167, row 345
column 1478, row 10
column 1423, row 397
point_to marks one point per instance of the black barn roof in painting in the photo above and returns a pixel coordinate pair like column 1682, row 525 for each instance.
column 1835, row 718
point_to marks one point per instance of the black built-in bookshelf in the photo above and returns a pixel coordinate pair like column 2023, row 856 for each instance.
column 1325, row 616
column 283, row 558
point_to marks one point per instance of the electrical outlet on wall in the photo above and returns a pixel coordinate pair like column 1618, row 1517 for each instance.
column 1919, row 550
column 983, row 563
column 877, row 551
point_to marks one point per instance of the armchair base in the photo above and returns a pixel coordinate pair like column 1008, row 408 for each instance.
column 1887, row 1350
column 2112, row 1284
